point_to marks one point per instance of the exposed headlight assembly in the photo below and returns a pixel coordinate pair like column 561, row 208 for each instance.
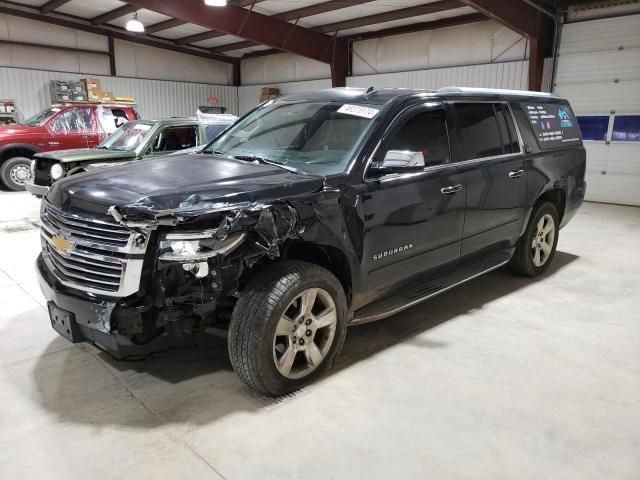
column 57, row 171
column 197, row 246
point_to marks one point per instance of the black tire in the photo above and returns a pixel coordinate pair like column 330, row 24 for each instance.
column 522, row 262
column 8, row 166
column 257, row 313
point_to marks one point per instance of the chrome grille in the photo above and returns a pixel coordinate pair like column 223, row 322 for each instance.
column 91, row 255
column 86, row 229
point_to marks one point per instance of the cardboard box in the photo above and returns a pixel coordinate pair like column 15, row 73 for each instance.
column 80, row 97
column 106, row 97
column 94, row 96
column 266, row 91
column 92, row 84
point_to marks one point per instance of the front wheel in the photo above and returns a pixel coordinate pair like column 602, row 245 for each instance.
column 288, row 327
column 537, row 247
column 15, row 172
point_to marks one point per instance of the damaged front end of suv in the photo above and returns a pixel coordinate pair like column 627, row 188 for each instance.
column 186, row 263
column 196, row 270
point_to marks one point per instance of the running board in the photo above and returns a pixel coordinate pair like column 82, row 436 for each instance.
column 423, row 291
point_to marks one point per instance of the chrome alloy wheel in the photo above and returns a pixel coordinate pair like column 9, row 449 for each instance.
column 543, row 240
column 20, row 174
column 304, row 334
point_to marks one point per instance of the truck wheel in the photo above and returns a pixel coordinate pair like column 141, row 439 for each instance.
column 15, row 172
column 536, row 248
column 287, row 327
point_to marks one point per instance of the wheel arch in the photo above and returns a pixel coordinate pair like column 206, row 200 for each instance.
column 556, row 194
column 325, row 256
column 17, row 150
column 558, row 197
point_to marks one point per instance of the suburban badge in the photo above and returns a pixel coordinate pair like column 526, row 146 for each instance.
column 392, row 251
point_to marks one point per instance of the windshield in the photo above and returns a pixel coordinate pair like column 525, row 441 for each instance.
column 312, row 137
column 128, row 137
column 39, row 118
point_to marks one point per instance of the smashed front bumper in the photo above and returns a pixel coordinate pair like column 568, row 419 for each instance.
column 88, row 320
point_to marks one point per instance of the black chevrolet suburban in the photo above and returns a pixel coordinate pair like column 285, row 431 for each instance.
column 313, row 212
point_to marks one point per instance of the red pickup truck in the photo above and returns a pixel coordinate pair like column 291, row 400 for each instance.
column 59, row 127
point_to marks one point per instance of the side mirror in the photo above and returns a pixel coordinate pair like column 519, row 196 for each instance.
column 399, row 161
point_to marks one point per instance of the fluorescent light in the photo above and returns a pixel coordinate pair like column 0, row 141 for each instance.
column 135, row 25
column 216, row 3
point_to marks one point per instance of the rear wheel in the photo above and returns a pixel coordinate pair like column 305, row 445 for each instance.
column 15, row 172
column 537, row 247
column 287, row 327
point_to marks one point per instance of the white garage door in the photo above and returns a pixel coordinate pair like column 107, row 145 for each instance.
column 599, row 72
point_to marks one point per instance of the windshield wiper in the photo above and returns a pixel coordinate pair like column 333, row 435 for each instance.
column 209, row 151
column 266, row 161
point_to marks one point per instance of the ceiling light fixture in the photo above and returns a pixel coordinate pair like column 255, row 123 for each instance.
column 216, row 3
column 135, row 25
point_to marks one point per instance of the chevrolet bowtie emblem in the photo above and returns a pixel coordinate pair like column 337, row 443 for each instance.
column 61, row 244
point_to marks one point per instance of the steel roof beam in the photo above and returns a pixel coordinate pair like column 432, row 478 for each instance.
column 517, row 15
column 113, row 14
column 399, row 14
column 302, row 12
column 110, row 31
column 51, row 5
column 247, row 24
column 167, row 24
column 411, row 28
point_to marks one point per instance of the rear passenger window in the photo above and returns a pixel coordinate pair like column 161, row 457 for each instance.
column 507, row 129
column 479, row 133
column 554, row 124
column 426, row 133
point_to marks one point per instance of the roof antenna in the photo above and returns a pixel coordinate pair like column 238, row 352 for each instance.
column 369, row 91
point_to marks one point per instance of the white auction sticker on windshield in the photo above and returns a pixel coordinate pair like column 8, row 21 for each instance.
column 142, row 126
column 358, row 110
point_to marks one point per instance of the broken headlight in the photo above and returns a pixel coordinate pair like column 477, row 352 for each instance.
column 197, row 246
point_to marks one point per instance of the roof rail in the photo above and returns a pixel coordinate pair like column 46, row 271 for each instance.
column 499, row 91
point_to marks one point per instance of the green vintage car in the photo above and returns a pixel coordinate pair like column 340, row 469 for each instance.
column 132, row 141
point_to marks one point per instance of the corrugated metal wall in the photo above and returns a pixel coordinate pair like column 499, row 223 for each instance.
column 155, row 98
column 511, row 75
column 249, row 95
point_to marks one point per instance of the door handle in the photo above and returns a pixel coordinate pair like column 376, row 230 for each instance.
column 516, row 174
column 451, row 190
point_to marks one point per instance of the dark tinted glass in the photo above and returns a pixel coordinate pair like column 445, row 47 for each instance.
column 513, row 135
column 594, row 127
column 626, row 128
column 425, row 132
column 480, row 136
column 504, row 130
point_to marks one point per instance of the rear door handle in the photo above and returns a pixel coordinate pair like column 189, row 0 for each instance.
column 451, row 190
column 516, row 174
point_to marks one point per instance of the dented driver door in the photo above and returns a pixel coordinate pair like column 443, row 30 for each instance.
column 413, row 221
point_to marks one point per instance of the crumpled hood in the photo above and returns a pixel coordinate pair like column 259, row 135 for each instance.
column 184, row 183
column 85, row 155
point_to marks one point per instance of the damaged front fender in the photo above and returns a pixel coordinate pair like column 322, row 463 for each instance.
column 203, row 252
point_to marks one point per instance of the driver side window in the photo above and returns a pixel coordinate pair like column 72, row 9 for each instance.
column 425, row 133
column 73, row 120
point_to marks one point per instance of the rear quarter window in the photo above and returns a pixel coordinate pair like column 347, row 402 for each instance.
column 553, row 124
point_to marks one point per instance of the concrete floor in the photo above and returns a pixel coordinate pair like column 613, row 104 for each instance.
column 503, row 377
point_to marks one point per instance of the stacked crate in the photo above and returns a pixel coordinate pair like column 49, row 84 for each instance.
column 67, row 91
